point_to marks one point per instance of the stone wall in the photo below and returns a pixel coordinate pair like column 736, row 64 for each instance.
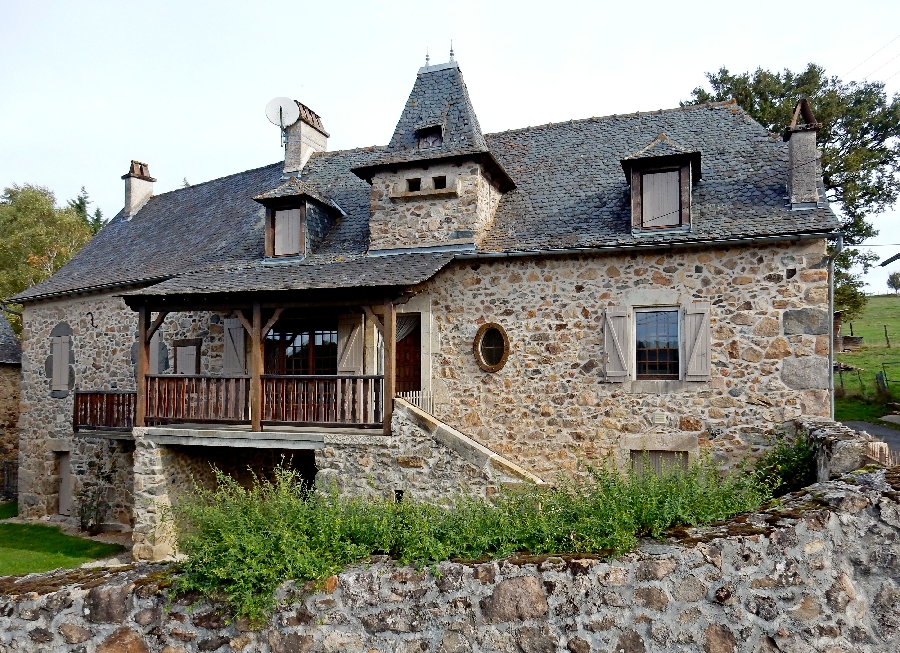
column 9, row 410
column 550, row 407
column 458, row 214
column 818, row 573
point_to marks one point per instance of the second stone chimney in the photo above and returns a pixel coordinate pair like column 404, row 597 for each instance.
column 304, row 137
column 803, row 158
column 138, row 187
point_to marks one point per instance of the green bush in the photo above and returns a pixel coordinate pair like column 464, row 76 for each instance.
column 241, row 543
column 789, row 465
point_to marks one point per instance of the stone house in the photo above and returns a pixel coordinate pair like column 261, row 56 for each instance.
column 10, row 371
column 447, row 312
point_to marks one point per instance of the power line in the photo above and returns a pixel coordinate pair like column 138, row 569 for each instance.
column 871, row 55
column 881, row 66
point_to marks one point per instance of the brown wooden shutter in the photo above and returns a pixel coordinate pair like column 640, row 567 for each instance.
column 616, row 344
column 660, row 200
column 60, row 351
column 235, row 360
column 696, row 340
column 350, row 344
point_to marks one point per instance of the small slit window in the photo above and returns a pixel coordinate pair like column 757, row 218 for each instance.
column 491, row 347
column 414, row 185
column 440, row 182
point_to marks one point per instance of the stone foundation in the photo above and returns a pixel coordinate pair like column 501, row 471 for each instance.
column 818, row 573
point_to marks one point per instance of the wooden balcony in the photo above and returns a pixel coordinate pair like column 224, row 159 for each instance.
column 323, row 400
column 185, row 398
column 104, row 410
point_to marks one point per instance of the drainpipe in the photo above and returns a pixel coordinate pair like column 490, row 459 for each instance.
column 837, row 250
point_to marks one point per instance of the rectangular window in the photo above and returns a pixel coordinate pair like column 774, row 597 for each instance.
column 661, row 199
column 301, row 349
column 288, row 233
column 440, row 182
column 414, row 185
column 658, row 461
column 656, row 344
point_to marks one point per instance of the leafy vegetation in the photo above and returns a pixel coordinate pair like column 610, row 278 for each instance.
column 858, row 138
column 242, row 542
column 37, row 237
column 893, row 282
column 789, row 465
column 9, row 509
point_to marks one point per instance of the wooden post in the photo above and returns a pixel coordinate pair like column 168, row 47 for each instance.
column 256, row 367
column 390, row 361
column 143, row 364
column 886, row 339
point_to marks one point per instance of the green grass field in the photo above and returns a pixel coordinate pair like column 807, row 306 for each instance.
column 861, row 400
column 29, row 548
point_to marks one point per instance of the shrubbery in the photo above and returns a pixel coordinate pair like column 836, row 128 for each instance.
column 241, row 543
column 789, row 465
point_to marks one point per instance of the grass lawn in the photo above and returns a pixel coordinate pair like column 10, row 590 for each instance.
column 859, row 401
column 28, row 548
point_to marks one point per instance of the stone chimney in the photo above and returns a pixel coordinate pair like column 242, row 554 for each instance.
column 304, row 137
column 138, row 187
column 803, row 158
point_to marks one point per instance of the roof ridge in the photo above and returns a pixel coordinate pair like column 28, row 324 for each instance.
column 633, row 114
column 209, row 181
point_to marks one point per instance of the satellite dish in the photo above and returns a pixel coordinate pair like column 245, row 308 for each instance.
column 282, row 111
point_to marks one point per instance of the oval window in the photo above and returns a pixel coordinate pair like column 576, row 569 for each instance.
column 491, row 347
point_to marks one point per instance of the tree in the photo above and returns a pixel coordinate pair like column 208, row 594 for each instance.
column 859, row 143
column 36, row 238
column 95, row 221
column 894, row 282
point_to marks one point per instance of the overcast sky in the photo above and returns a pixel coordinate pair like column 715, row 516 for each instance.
column 87, row 86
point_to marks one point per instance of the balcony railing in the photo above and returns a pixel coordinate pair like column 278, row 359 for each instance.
column 323, row 400
column 105, row 410
column 198, row 398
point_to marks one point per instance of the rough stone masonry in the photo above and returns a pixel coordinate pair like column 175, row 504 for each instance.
column 818, row 572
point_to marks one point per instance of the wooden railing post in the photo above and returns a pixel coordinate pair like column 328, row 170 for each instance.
column 390, row 361
column 256, row 369
column 143, row 364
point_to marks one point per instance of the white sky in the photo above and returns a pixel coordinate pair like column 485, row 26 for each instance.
column 87, row 86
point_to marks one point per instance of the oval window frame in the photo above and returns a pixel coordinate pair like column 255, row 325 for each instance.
column 476, row 347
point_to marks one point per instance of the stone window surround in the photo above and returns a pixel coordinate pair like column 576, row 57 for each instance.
column 659, row 299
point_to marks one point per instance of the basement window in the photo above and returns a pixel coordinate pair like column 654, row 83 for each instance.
column 658, row 462
column 439, row 182
column 414, row 185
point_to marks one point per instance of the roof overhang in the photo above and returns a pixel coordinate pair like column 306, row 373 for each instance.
column 493, row 167
column 643, row 163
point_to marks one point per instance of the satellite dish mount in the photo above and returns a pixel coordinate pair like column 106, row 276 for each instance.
column 282, row 112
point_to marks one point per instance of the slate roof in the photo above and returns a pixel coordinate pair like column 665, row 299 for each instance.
column 662, row 145
column 570, row 194
column 10, row 349
column 294, row 187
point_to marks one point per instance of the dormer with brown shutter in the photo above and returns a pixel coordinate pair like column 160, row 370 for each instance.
column 661, row 176
column 298, row 217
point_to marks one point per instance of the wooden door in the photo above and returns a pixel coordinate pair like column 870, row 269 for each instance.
column 409, row 362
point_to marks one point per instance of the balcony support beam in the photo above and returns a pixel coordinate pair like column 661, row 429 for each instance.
column 143, row 364
column 390, row 361
column 256, row 368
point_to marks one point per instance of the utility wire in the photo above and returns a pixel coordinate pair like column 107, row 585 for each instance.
column 881, row 66
column 871, row 55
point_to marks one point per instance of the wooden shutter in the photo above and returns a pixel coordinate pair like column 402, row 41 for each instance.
column 186, row 360
column 350, row 344
column 660, row 202
column 696, row 340
column 60, row 351
column 235, row 362
column 686, row 195
column 154, row 354
column 616, row 344
column 287, row 232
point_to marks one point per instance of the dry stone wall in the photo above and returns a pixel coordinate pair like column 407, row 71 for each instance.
column 818, row 573
column 550, row 407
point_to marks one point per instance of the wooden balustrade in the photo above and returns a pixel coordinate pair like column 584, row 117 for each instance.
column 323, row 400
column 198, row 398
column 105, row 410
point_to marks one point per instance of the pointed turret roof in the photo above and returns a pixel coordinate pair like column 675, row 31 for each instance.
column 439, row 99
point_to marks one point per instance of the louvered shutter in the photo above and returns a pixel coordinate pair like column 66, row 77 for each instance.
column 661, row 199
column 616, row 344
column 60, row 351
column 696, row 340
column 235, row 356
column 350, row 344
column 186, row 360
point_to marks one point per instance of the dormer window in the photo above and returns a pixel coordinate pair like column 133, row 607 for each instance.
column 288, row 232
column 430, row 137
column 660, row 200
